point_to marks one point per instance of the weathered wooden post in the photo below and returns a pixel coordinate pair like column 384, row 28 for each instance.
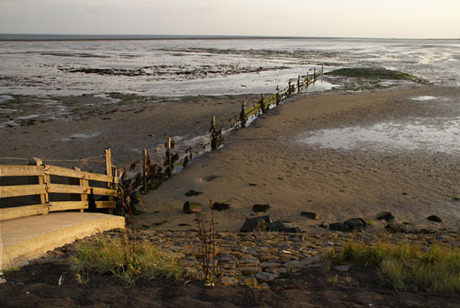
column 289, row 88
column 144, row 170
column 109, row 169
column 322, row 69
column 277, row 95
column 314, row 75
column 168, row 157
column 43, row 179
column 243, row 115
column 298, row 84
column 262, row 105
column 216, row 135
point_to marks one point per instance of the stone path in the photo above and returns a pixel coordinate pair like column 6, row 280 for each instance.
column 255, row 259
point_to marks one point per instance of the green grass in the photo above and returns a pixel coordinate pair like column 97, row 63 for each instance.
column 406, row 267
column 123, row 260
column 372, row 73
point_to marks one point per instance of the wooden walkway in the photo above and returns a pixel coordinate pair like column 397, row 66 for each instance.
column 26, row 238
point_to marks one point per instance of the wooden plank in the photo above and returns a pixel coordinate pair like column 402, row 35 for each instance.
column 105, row 192
column 67, row 205
column 21, row 190
column 13, row 170
column 67, row 189
column 98, row 177
column 106, row 204
column 61, row 171
column 23, row 211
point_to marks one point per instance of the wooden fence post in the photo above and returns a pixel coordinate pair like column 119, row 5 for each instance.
column 243, row 115
column 289, row 88
column 314, row 74
column 277, row 95
column 298, row 84
column 144, row 170
column 169, row 165
column 322, row 68
column 109, row 169
column 43, row 179
column 262, row 105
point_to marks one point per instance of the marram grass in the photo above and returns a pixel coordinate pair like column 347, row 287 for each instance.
column 123, row 260
column 406, row 267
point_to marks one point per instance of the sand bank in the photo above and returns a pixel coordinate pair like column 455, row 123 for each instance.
column 270, row 163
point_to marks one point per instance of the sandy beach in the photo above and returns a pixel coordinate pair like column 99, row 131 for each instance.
column 268, row 164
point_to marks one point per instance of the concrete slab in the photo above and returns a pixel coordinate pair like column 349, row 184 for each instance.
column 27, row 238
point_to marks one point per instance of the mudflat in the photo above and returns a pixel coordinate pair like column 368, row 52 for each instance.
column 272, row 162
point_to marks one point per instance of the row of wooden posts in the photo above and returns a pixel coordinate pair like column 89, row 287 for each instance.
column 172, row 160
column 114, row 183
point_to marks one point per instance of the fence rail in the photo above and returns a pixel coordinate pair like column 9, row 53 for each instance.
column 89, row 185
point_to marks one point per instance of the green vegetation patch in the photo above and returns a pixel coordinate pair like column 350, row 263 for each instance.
column 372, row 73
column 406, row 267
column 124, row 259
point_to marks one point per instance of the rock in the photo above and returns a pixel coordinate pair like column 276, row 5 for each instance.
column 355, row 224
column 266, row 277
column 228, row 281
column 342, row 268
column 276, row 226
column 257, row 224
column 337, row 226
column 387, row 216
column 292, row 230
column 220, row 206
column 434, row 218
column 396, row 228
column 191, row 207
column 260, row 207
column 192, row 192
column 310, row 215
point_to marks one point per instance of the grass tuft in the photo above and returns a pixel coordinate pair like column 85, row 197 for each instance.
column 115, row 256
column 406, row 267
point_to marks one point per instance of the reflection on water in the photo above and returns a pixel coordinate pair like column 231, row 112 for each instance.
column 387, row 136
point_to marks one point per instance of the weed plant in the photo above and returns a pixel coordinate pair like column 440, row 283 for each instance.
column 127, row 262
column 406, row 267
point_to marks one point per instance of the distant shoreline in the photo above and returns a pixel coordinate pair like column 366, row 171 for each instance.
column 134, row 37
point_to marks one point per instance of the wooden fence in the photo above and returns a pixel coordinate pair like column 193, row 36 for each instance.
column 48, row 184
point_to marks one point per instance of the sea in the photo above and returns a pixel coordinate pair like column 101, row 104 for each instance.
column 60, row 65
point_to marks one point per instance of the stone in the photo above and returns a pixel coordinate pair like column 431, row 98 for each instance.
column 263, row 277
column 257, row 224
column 355, row 224
column 292, row 230
column 228, row 281
column 220, row 206
column 192, row 192
column 191, row 207
column 249, row 281
column 396, row 228
column 434, row 218
column 260, row 207
column 387, row 216
column 342, row 268
column 276, row 226
column 247, row 271
column 337, row 226
column 310, row 215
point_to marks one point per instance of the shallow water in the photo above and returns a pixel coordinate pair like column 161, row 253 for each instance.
column 207, row 67
column 418, row 134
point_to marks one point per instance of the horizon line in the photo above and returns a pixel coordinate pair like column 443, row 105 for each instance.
column 86, row 37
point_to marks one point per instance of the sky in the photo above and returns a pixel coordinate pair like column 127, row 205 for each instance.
column 320, row 18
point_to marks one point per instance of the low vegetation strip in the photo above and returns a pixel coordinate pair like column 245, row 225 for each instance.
column 406, row 267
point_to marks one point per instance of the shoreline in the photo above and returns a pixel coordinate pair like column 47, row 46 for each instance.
column 263, row 164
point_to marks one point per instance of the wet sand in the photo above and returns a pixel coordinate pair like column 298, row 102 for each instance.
column 266, row 164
